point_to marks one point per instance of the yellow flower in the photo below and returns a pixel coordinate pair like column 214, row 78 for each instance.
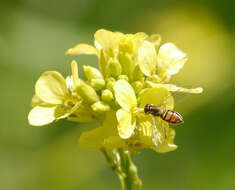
column 53, row 100
column 120, row 53
column 105, row 136
column 134, row 70
column 125, row 96
column 170, row 61
column 153, row 132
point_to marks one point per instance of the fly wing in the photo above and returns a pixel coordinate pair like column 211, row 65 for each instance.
column 175, row 97
column 159, row 132
column 179, row 93
column 179, row 97
column 168, row 102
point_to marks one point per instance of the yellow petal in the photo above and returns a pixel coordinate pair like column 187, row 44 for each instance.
column 114, row 142
column 105, row 136
column 108, row 41
column 125, row 95
column 70, row 83
column 140, row 35
column 165, row 142
column 97, row 139
column 147, row 58
column 158, row 96
column 155, row 133
column 106, row 38
column 93, row 139
column 75, row 76
column 145, row 130
column 82, row 49
column 174, row 88
column 39, row 116
column 51, row 87
column 170, row 59
column 36, row 101
column 155, row 39
column 130, row 43
column 126, row 125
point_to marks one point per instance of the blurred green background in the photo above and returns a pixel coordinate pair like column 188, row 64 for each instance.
column 33, row 38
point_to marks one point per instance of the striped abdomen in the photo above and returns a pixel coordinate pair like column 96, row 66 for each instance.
column 167, row 115
column 172, row 117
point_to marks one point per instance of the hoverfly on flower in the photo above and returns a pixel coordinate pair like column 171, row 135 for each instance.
column 169, row 116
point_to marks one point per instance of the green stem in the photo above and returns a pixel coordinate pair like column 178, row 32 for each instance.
column 133, row 171
column 125, row 168
column 120, row 161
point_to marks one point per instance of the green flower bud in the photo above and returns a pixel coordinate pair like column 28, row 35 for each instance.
column 87, row 92
column 138, row 74
column 100, row 107
column 97, row 84
column 137, row 85
column 113, row 68
column 124, row 77
column 110, row 83
column 107, row 95
column 127, row 63
column 92, row 73
column 102, row 62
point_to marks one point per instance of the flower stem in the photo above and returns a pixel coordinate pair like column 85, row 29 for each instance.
column 120, row 161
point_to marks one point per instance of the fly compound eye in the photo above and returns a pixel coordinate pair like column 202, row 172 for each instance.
column 147, row 108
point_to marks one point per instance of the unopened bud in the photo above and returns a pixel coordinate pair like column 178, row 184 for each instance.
column 123, row 77
column 113, row 68
column 97, row 84
column 87, row 92
column 127, row 63
column 100, row 107
column 107, row 95
column 138, row 75
column 110, row 83
column 92, row 73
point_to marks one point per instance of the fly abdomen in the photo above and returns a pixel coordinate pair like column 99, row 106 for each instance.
column 172, row 117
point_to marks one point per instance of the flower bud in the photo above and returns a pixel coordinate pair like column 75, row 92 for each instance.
column 127, row 63
column 87, row 92
column 100, row 107
column 123, row 77
column 92, row 73
column 110, row 83
column 113, row 68
column 97, row 84
column 107, row 95
column 138, row 75
column 137, row 85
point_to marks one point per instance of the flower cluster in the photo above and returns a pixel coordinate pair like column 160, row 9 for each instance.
column 134, row 69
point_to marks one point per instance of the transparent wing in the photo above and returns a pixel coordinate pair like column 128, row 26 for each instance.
column 159, row 132
column 177, row 97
